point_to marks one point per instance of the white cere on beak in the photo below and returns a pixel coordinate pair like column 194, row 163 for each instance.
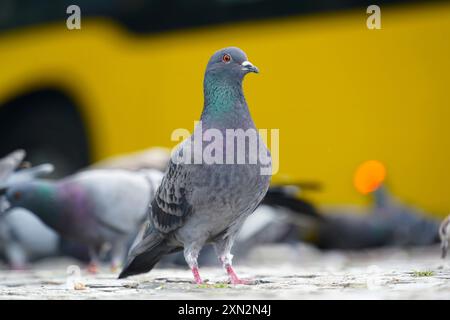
column 248, row 66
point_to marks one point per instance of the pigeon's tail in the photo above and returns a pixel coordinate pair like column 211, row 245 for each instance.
column 146, row 254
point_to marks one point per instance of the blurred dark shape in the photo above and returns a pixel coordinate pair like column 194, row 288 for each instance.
column 285, row 197
column 388, row 223
column 49, row 127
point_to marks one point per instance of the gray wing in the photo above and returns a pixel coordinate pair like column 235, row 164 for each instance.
column 170, row 207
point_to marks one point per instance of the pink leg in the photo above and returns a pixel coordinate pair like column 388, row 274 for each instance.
column 196, row 274
column 233, row 277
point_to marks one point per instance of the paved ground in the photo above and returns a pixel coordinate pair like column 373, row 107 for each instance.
column 308, row 274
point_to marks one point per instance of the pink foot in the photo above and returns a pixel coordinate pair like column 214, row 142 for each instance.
column 234, row 279
column 196, row 274
column 92, row 268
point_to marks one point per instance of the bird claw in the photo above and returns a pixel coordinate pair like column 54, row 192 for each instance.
column 243, row 281
column 234, row 279
column 196, row 274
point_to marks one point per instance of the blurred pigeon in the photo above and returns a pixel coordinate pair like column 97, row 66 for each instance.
column 99, row 208
column 21, row 176
column 28, row 174
column 7, row 166
column 388, row 223
column 10, row 163
column 409, row 225
column 282, row 217
column 24, row 238
column 206, row 203
column 444, row 233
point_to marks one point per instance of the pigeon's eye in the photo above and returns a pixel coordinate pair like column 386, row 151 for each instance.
column 226, row 58
column 17, row 195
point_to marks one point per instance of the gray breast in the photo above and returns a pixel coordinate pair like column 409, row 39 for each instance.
column 230, row 194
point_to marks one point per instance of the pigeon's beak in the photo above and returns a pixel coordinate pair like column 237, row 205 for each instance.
column 3, row 190
column 249, row 67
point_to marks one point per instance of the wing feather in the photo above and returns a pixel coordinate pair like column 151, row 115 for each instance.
column 170, row 207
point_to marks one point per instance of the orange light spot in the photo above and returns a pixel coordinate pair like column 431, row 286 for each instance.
column 369, row 176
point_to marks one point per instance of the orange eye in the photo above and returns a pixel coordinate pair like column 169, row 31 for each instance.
column 226, row 58
column 17, row 195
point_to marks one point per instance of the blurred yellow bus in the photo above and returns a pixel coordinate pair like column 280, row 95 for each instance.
column 339, row 93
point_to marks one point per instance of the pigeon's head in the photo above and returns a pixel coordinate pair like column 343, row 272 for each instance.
column 19, row 194
column 27, row 194
column 230, row 63
column 39, row 196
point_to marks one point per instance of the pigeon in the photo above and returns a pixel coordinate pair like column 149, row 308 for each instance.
column 200, row 202
column 23, row 236
column 99, row 208
column 22, row 176
column 388, row 223
column 410, row 226
column 444, row 234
